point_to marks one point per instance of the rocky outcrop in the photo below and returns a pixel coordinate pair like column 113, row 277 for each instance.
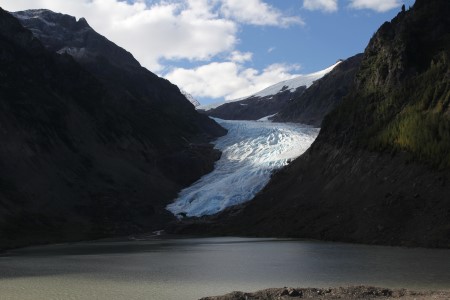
column 347, row 293
column 323, row 96
column 93, row 145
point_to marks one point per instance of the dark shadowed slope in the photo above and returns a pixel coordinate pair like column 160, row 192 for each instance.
column 379, row 170
column 255, row 108
column 118, row 70
column 81, row 156
column 323, row 96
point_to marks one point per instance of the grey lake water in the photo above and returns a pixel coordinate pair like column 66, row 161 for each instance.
column 191, row 268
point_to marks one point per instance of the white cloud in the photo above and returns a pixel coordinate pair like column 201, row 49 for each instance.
column 228, row 79
column 158, row 31
column 376, row 5
column 240, row 57
column 324, row 5
column 332, row 5
column 256, row 12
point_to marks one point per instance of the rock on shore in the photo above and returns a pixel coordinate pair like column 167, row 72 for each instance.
column 357, row 292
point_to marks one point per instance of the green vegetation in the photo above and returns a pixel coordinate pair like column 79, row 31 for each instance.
column 402, row 95
column 422, row 126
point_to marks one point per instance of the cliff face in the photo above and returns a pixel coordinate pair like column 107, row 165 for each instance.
column 83, row 157
column 323, row 96
column 379, row 170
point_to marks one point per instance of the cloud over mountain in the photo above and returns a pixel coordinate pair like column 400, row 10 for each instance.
column 229, row 79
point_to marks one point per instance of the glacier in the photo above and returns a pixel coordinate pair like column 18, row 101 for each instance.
column 251, row 151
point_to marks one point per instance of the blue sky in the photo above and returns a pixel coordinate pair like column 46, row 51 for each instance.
column 323, row 39
column 226, row 49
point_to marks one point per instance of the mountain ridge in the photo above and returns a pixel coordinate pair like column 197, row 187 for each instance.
column 322, row 96
column 378, row 172
column 82, row 158
column 268, row 101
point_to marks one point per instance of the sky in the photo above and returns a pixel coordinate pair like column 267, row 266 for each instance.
column 226, row 49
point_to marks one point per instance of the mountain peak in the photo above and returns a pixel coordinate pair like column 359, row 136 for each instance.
column 65, row 34
column 268, row 101
column 289, row 85
column 114, row 143
column 83, row 22
column 46, row 16
column 50, row 18
column 292, row 84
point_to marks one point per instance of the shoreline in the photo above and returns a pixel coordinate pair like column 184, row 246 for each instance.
column 170, row 234
column 344, row 293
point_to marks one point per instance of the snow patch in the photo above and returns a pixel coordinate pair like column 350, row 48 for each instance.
column 73, row 51
column 251, row 151
column 266, row 119
column 293, row 84
column 212, row 105
column 34, row 14
column 190, row 98
column 290, row 85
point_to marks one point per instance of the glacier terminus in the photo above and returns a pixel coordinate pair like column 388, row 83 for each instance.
column 251, row 151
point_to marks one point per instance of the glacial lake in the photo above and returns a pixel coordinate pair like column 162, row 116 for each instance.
column 191, row 268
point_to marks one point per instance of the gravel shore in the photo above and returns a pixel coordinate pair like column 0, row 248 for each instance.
column 350, row 293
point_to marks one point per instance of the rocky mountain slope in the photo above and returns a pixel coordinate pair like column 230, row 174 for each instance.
column 379, row 170
column 268, row 101
column 323, row 96
column 93, row 144
column 190, row 98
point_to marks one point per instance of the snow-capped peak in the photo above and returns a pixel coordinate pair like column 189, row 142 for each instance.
column 290, row 85
column 293, row 84
column 32, row 13
column 35, row 14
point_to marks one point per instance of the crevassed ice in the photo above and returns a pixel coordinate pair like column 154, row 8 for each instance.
column 251, row 151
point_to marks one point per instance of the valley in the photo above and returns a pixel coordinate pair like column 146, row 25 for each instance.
column 334, row 181
column 251, row 152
